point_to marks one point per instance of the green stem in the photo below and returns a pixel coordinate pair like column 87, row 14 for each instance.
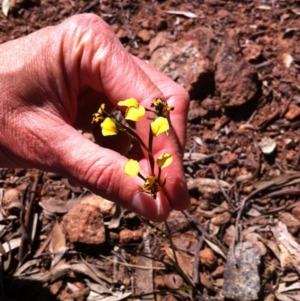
column 150, row 143
column 134, row 135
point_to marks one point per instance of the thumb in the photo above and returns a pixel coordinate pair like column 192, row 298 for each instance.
column 101, row 170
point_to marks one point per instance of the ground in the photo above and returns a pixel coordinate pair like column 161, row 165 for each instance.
column 240, row 62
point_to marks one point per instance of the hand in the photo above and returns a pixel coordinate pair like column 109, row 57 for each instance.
column 53, row 80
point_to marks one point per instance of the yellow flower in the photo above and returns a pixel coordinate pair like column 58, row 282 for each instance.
column 132, row 168
column 151, row 186
column 164, row 160
column 130, row 102
column 100, row 115
column 161, row 107
column 134, row 111
column 109, row 127
column 160, row 125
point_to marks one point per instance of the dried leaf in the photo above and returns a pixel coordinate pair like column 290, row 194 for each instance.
column 5, row 7
column 25, row 266
column 215, row 247
column 195, row 156
column 58, row 206
column 255, row 239
column 273, row 246
column 284, row 288
column 58, row 239
column 289, row 248
column 59, row 255
column 278, row 181
column 184, row 260
column 264, row 7
column 181, row 13
column 206, row 182
column 290, row 277
column 282, row 297
column 206, row 282
column 116, row 219
column 117, row 296
column 223, row 208
column 173, row 281
column 12, row 244
column 98, row 288
column 141, row 285
column 60, row 270
column 221, row 219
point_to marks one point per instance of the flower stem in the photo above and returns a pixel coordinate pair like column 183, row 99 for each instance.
column 150, row 143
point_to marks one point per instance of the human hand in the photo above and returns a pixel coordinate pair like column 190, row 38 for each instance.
column 53, row 80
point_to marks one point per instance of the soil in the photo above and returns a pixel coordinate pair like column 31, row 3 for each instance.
column 240, row 62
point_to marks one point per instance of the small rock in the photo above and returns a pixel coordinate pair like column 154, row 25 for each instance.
column 177, row 222
column 84, row 224
column 293, row 112
column 160, row 40
column 287, row 60
column 252, row 52
column 207, row 257
column 208, row 104
column 218, row 272
column 121, row 34
column 107, row 208
column 127, row 236
column 144, row 35
column 10, row 196
column 285, row 89
column 241, row 277
column 189, row 60
column 267, row 145
column 292, row 223
column 223, row 13
column 296, row 212
column 228, row 159
column 236, row 80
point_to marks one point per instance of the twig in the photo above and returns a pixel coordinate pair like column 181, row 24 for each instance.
column 26, row 221
column 133, row 265
column 128, row 31
column 176, row 264
column 197, row 262
column 85, row 9
column 202, row 231
column 220, row 186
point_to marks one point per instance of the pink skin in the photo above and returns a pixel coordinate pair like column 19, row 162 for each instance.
column 43, row 78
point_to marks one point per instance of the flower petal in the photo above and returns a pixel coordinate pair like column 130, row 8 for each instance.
column 132, row 168
column 161, row 107
column 135, row 114
column 109, row 128
column 164, row 160
column 159, row 126
column 99, row 115
column 151, row 186
column 130, row 102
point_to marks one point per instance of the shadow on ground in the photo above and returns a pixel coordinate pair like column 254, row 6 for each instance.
column 13, row 289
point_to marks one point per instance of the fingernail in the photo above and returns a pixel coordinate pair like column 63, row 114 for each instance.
column 154, row 209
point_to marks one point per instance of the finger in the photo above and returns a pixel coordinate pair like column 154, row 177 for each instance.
column 176, row 97
column 84, row 162
column 100, row 63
